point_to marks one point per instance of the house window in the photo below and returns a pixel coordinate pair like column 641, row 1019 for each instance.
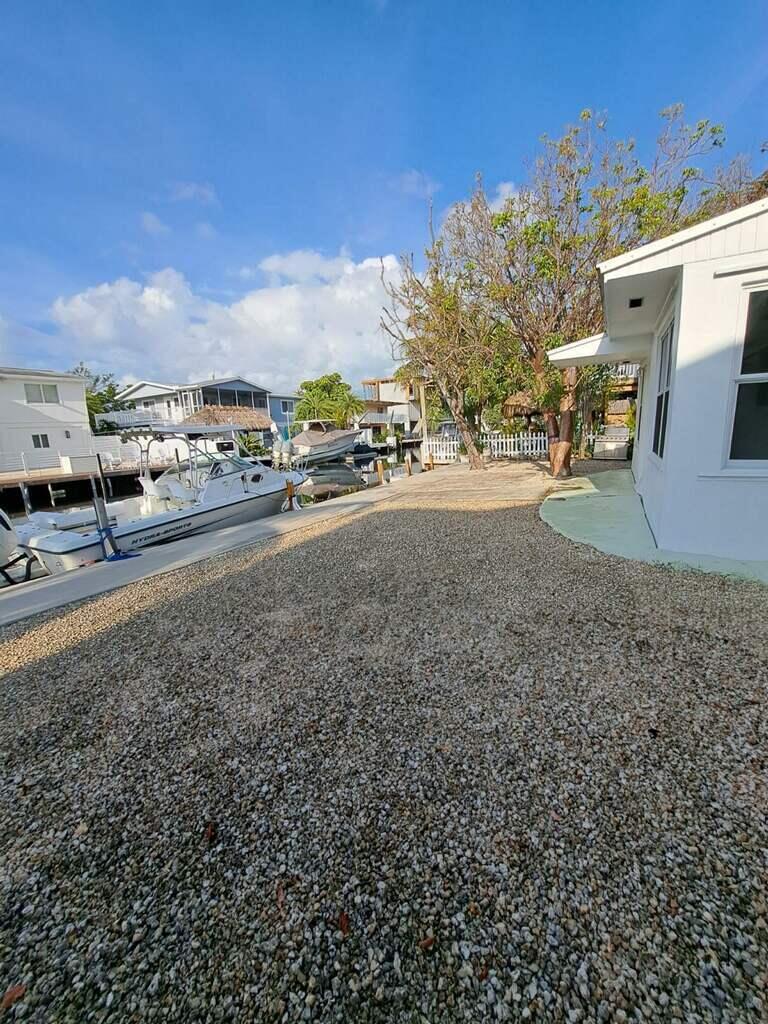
column 40, row 441
column 749, row 439
column 261, row 403
column 286, row 405
column 662, row 390
column 38, row 394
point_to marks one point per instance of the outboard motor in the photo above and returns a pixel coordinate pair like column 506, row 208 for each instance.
column 9, row 543
column 8, row 539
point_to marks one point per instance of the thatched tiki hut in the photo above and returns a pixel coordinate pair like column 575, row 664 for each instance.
column 247, row 419
column 520, row 404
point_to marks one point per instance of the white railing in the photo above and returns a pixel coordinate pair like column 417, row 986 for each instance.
column 139, row 417
column 516, row 446
column 499, row 446
column 626, row 369
column 115, row 454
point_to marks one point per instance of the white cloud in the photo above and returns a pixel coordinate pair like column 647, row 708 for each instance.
column 315, row 315
column 152, row 225
column 305, row 265
column 501, row 194
column 205, row 230
column 416, row 183
column 194, row 192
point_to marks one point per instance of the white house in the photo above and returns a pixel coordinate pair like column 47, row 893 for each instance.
column 174, row 402
column 692, row 309
column 42, row 414
column 388, row 405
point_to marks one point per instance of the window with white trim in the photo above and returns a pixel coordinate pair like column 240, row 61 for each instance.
column 749, row 438
column 286, row 405
column 39, row 394
column 664, row 380
column 40, row 441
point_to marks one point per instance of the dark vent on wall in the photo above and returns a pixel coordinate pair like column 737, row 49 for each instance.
column 635, row 303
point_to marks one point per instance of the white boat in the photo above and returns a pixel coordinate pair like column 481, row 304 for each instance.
column 320, row 441
column 205, row 492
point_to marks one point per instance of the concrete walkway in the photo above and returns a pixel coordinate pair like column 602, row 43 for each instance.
column 605, row 511
column 502, row 482
column 50, row 592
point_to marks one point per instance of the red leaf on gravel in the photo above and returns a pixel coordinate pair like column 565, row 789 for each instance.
column 210, row 832
column 12, row 995
column 280, row 894
column 427, row 943
column 344, row 922
column 483, row 972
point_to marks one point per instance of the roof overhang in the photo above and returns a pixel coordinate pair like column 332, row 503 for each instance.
column 17, row 371
column 602, row 348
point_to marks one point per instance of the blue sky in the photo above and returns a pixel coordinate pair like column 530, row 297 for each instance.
column 188, row 188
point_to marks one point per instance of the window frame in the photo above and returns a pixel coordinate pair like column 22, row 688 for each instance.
column 738, row 378
column 664, row 336
column 40, row 441
column 286, row 406
column 41, row 388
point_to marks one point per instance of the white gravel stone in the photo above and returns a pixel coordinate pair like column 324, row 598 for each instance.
column 433, row 762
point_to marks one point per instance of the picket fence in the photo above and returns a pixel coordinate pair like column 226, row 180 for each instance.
column 499, row 446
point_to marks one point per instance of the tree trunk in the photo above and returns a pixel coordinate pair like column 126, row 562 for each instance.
column 475, row 457
column 560, row 452
column 553, row 437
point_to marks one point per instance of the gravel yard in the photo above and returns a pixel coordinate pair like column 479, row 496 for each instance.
column 432, row 763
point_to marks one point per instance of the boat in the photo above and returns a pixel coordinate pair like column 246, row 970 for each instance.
column 205, row 492
column 331, row 478
column 320, row 441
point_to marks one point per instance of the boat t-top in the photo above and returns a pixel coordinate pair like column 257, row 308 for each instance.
column 204, row 491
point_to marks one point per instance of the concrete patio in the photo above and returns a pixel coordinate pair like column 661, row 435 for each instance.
column 605, row 511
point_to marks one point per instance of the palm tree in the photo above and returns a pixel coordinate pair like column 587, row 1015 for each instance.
column 315, row 407
column 347, row 407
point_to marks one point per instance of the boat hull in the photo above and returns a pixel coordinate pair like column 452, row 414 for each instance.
column 62, row 551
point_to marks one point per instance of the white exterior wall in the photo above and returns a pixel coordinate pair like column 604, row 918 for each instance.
column 695, row 501
column 406, row 411
column 20, row 419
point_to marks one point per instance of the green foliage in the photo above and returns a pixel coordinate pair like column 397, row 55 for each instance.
column 328, row 398
column 101, row 390
column 502, row 287
column 631, row 419
column 251, row 445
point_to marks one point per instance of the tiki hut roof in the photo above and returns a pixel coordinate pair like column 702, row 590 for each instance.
column 238, row 415
column 520, row 403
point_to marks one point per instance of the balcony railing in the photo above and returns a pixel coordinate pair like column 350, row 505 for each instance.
column 628, row 370
column 139, row 417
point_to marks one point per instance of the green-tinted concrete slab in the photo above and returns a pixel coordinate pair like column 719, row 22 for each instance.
column 605, row 511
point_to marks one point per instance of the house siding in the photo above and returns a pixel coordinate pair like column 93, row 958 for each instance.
column 20, row 419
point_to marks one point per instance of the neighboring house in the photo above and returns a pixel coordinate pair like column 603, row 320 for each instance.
column 150, row 399
column 389, row 406
column 692, row 309
column 281, row 409
column 42, row 414
column 172, row 403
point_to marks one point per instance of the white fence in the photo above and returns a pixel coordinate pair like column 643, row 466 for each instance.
column 499, row 446
column 113, row 451
column 115, row 454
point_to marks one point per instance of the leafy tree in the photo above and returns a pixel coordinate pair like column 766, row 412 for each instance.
column 441, row 327
column 530, row 268
column 328, row 398
column 101, row 391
